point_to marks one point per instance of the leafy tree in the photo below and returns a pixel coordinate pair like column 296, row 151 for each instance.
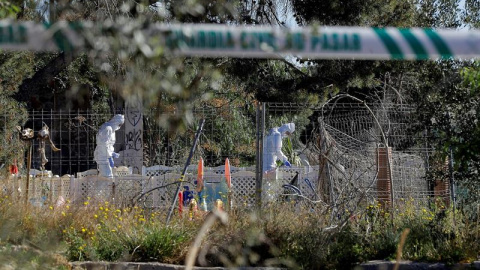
column 8, row 10
column 471, row 13
column 440, row 13
column 125, row 68
column 449, row 108
column 12, row 113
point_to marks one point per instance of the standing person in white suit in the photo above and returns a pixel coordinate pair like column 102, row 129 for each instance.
column 104, row 152
column 272, row 152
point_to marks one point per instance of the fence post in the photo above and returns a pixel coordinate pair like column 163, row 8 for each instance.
column 325, row 181
column 260, row 125
column 384, row 178
column 452, row 178
column 29, row 166
column 179, row 185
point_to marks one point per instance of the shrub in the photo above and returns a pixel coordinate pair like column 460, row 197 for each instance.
column 288, row 235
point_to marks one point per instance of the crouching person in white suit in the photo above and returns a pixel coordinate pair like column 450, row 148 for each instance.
column 104, row 152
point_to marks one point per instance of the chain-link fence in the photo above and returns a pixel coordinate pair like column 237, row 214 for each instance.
column 340, row 139
column 228, row 132
column 347, row 140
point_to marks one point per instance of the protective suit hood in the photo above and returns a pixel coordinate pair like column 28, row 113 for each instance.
column 116, row 122
column 289, row 127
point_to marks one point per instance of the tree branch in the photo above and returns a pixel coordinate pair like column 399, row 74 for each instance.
column 42, row 77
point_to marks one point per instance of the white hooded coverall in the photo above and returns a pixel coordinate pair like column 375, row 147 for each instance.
column 272, row 151
column 104, row 152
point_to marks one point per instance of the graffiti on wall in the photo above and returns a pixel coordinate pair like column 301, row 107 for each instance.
column 133, row 153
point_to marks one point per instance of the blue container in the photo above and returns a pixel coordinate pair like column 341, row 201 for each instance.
column 212, row 192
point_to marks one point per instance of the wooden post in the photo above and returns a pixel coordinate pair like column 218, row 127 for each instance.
column 441, row 188
column 260, row 125
column 29, row 165
column 325, row 180
column 384, row 177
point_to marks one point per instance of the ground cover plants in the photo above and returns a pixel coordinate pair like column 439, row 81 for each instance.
column 302, row 236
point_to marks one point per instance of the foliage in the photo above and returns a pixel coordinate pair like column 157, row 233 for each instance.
column 30, row 238
column 7, row 9
column 302, row 238
column 436, row 233
column 445, row 92
column 299, row 236
column 472, row 13
column 448, row 102
column 228, row 132
column 233, row 134
column 440, row 13
column 288, row 150
column 129, row 234
column 329, row 12
column 13, row 114
column 121, row 69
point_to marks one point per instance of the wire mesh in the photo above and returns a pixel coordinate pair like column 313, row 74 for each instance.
column 350, row 132
column 74, row 132
column 343, row 139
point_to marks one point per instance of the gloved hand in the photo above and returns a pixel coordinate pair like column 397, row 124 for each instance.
column 115, row 155
column 287, row 164
column 110, row 160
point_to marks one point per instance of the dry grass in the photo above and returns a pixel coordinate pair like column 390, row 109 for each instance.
column 288, row 234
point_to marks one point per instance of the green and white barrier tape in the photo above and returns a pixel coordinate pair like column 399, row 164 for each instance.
column 31, row 36
column 212, row 40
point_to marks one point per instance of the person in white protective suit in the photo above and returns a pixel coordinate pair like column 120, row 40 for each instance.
column 272, row 151
column 273, row 147
column 104, row 152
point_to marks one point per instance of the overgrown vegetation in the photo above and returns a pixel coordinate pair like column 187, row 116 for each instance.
column 446, row 94
column 298, row 236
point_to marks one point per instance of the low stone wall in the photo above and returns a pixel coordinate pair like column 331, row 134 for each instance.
column 408, row 265
column 148, row 266
column 372, row 265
